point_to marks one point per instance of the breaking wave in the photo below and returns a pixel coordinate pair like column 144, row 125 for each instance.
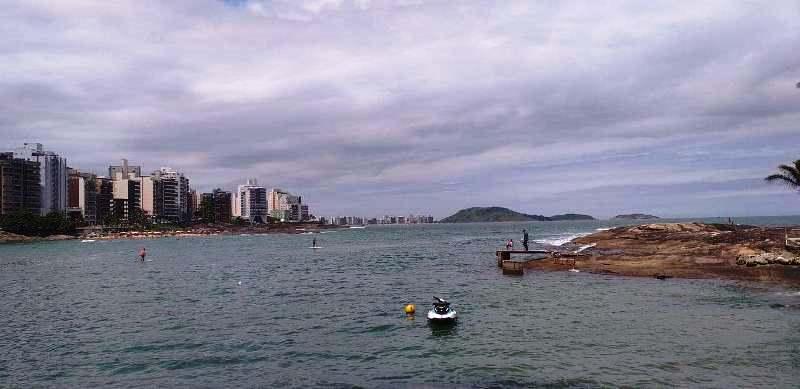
column 559, row 240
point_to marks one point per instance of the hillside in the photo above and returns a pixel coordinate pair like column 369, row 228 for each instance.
column 500, row 214
column 636, row 216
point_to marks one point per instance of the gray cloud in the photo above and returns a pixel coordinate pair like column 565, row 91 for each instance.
column 424, row 106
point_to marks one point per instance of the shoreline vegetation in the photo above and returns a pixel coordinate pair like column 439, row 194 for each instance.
column 194, row 231
column 686, row 250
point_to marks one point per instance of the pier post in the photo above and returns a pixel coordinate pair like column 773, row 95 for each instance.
column 513, row 268
column 502, row 256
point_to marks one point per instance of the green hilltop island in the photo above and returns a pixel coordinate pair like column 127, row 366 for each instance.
column 500, row 214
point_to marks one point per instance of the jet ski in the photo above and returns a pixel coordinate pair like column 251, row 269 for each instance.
column 441, row 311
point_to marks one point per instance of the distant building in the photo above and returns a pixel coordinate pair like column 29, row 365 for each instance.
column 278, row 200
column 178, row 207
column 104, row 188
column 52, row 176
column 222, row 206
column 126, row 201
column 152, row 199
column 194, row 203
column 215, row 207
column 82, row 196
column 124, row 170
column 251, row 202
column 286, row 206
column 206, row 210
column 19, row 185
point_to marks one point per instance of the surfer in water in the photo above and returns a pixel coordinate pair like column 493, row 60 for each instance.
column 142, row 253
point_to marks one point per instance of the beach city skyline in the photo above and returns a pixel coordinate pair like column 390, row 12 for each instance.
column 40, row 181
column 421, row 107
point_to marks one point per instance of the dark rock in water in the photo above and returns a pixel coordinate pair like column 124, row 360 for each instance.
column 636, row 216
column 570, row 216
column 662, row 276
column 777, row 306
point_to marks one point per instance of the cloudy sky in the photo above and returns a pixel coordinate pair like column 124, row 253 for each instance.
column 373, row 107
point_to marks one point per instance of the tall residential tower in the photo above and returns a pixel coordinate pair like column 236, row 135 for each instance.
column 52, row 176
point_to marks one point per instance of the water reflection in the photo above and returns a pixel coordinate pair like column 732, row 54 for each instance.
column 443, row 328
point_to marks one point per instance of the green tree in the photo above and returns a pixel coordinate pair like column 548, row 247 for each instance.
column 26, row 223
column 138, row 218
column 788, row 175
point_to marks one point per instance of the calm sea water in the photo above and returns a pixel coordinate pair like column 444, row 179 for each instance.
column 266, row 311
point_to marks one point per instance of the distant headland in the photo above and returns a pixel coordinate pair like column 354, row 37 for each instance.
column 636, row 216
column 500, row 214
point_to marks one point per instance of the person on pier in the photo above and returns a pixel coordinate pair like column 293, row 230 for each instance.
column 525, row 239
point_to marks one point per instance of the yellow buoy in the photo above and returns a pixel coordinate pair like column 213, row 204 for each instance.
column 410, row 309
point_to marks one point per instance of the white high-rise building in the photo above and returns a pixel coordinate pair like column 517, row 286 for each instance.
column 152, row 196
column 250, row 202
column 286, row 206
column 278, row 200
column 177, row 204
column 53, row 176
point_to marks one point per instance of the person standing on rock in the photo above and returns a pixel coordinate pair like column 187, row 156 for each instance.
column 525, row 239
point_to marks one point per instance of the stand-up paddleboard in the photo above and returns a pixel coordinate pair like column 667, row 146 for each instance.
column 315, row 247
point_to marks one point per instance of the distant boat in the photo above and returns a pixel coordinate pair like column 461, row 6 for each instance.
column 358, row 227
column 87, row 241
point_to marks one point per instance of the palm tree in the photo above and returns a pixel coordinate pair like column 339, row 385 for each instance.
column 789, row 175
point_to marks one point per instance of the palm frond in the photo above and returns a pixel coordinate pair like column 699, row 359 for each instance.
column 790, row 171
column 788, row 175
column 783, row 178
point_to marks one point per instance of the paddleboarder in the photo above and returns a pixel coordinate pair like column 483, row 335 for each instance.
column 142, row 253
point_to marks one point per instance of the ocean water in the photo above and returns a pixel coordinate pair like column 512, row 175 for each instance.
column 266, row 311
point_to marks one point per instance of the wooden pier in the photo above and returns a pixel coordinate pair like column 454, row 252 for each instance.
column 511, row 267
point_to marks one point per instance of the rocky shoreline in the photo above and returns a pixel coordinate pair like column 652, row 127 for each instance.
column 7, row 237
column 685, row 250
column 197, row 231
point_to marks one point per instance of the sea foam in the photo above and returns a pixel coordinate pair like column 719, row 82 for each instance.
column 559, row 240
